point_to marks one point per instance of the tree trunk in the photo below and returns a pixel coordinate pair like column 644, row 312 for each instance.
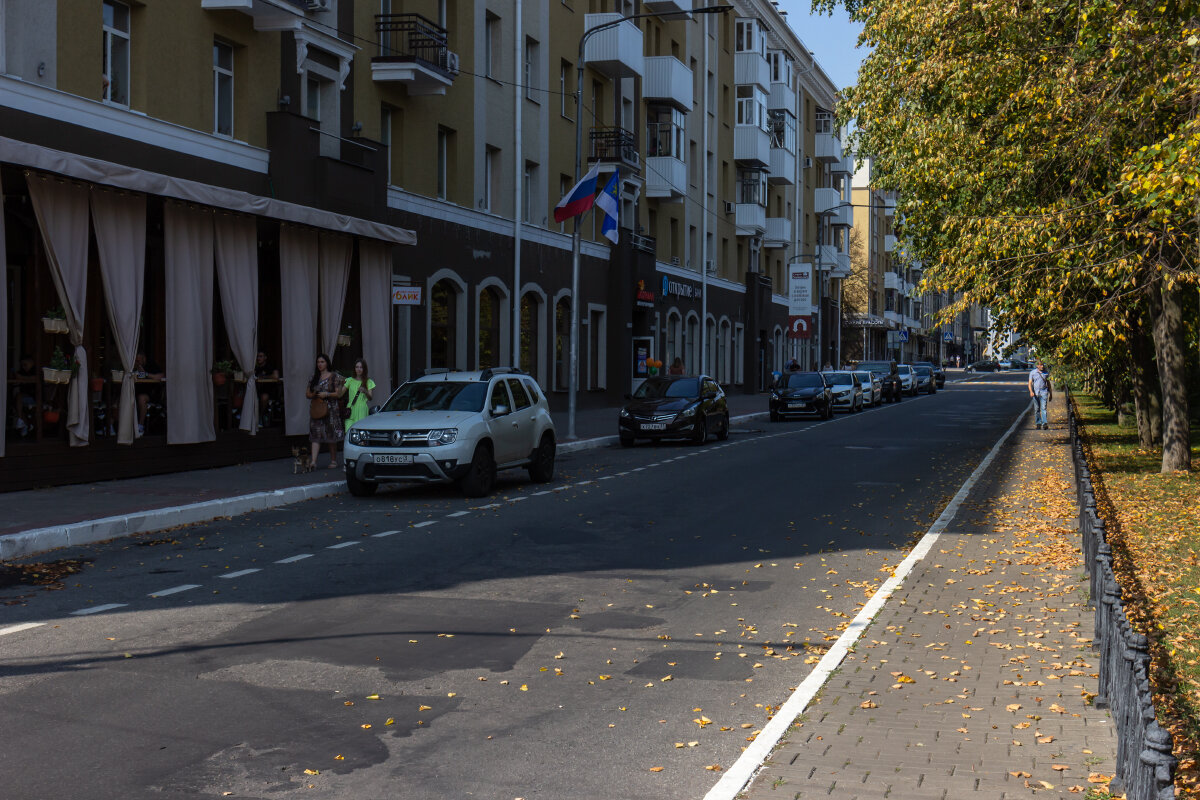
column 1166, row 310
column 1146, row 399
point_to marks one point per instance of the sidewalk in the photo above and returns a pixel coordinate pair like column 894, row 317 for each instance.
column 976, row 677
column 37, row 520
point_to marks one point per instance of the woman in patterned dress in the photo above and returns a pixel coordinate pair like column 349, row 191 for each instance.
column 329, row 429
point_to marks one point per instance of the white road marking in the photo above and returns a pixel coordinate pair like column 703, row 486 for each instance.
column 97, row 609
column 607, row 477
column 459, row 514
column 174, row 590
column 539, row 494
column 424, row 524
column 238, row 574
column 751, row 760
column 489, row 505
column 637, row 469
column 337, row 546
column 516, row 499
column 294, row 559
column 584, row 483
column 24, row 626
column 383, row 534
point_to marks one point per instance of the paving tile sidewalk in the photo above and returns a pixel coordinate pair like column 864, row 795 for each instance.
column 975, row 678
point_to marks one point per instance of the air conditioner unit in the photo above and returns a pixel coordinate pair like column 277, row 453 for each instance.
column 807, row 162
column 317, row 5
column 452, row 62
column 710, row 267
column 675, row 261
column 729, row 208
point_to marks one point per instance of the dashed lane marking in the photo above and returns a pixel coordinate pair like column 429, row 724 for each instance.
column 174, row 590
column 294, row 559
column 24, row 626
column 238, row 574
column 97, row 609
column 337, row 546
column 424, row 524
column 378, row 536
column 459, row 514
column 539, row 494
column 488, row 506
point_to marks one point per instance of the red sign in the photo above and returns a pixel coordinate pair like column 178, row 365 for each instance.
column 645, row 297
column 799, row 326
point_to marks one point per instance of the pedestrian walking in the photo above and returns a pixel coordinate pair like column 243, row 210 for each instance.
column 1042, row 393
column 325, row 390
column 360, row 389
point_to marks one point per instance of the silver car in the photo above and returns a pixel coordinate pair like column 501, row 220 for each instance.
column 872, row 387
column 454, row 427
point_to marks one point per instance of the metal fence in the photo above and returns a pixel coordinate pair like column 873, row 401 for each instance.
column 1145, row 766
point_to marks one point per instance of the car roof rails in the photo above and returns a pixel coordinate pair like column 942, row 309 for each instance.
column 486, row 375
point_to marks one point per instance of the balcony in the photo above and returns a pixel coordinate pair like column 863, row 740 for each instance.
column 352, row 182
column 670, row 6
column 415, row 52
column 889, row 243
column 828, row 257
column 893, row 281
column 841, row 266
column 843, row 217
column 826, row 200
column 666, row 178
column 783, row 166
column 828, row 148
column 752, row 69
column 751, row 145
column 843, row 167
column 782, row 98
column 667, row 81
column 267, row 14
column 779, row 232
column 614, row 146
column 894, row 317
column 750, row 219
column 615, row 51
column 889, row 207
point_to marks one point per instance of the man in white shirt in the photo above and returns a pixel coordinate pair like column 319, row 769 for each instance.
column 1041, row 392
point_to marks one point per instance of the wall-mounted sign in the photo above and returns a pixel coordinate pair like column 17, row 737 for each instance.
column 947, row 337
column 799, row 327
column 679, row 289
column 406, row 295
column 645, row 297
column 799, row 290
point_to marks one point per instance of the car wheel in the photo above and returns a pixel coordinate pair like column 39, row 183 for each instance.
column 481, row 474
column 541, row 469
column 723, row 434
column 701, row 431
column 626, row 441
column 360, row 488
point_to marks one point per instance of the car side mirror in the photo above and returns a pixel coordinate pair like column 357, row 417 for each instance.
column 628, row 396
column 499, row 411
column 373, row 410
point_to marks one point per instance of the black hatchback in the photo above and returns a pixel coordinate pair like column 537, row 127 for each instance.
column 801, row 393
column 674, row 407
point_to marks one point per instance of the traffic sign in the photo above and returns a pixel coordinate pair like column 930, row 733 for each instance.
column 904, row 334
column 798, row 326
column 947, row 337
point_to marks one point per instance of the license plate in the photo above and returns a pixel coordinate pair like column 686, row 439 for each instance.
column 394, row 458
column 797, row 405
column 654, row 426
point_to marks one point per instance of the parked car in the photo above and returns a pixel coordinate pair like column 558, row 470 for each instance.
column 674, row 407
column 846, row 389
column 908, row 379
column 872, row 387
column 983, row 366
column 801, row 393
column 454, row 426
column 925, row 380
column 939, row 374
column 890, row 386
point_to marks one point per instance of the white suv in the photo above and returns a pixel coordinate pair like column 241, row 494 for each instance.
column 453, row 426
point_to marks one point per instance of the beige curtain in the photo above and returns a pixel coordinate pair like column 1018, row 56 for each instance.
column 62, row 213
column 334, row 275
column 298, row 270
column 120, row 223
column 237, row 275
column 189, row 288
column 3, row 317
column 375, row 295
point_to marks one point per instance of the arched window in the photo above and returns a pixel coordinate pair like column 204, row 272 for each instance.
column 692, row 346
column 529, row 333
column 723, row 372
column 672, row 349
column 710, row 339
column 489, row 328
column 562, row 344
column 442, row 325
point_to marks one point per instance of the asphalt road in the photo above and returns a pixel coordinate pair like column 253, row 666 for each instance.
column 650, row 608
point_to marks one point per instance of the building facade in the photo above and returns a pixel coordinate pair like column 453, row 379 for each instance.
column 346, row 152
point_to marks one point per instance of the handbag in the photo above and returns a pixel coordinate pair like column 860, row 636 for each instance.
column 318, row 408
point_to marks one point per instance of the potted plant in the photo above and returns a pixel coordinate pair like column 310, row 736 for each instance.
column 345, row 337
column 55, row 320
column 60, row 369
column 221, row 372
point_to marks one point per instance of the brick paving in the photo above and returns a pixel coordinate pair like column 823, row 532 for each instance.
column 976, row 677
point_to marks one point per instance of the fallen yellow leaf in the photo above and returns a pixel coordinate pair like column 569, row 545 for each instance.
column 656, row 769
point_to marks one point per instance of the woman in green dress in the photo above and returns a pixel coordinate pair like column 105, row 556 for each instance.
column 359, row 389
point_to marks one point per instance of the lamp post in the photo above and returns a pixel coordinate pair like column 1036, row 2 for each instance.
column 573, row 380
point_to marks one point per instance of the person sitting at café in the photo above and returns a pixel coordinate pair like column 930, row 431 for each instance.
column 24, row 395
column 143, row 370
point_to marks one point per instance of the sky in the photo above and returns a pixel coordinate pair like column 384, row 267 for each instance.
column 832, row 40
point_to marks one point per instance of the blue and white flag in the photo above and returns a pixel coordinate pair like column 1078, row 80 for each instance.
column 610, row 208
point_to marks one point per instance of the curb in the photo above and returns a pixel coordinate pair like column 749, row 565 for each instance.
column 39, row 540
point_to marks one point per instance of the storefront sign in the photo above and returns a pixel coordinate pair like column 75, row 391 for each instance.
column 799, row 290
column 645, row 297
column 406, row 295
column 863, row 321
column 679, row 289
column 799, row 327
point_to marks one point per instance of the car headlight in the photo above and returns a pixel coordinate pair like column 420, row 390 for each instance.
column 358, row 436
column 624, row 413
column 442, row 436
column 841, row 393
column 690, row 411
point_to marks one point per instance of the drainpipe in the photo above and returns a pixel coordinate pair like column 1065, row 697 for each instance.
column 518, row 187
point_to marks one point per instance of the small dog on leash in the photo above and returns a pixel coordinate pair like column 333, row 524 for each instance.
column 301, row 460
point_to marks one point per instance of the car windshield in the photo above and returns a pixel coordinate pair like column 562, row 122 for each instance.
column 923, row 370
column 438, row 396
column 839, row 378
column 804, row 380
column 878, row 367
column 864, row 377
column 658, row 388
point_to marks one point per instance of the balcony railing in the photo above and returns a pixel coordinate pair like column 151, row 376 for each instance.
column 825, row 200
column 666, row 177
column 415, row 51
column 751, row 145
column 752, row 69
column 614, row 145
column 616, row 51
column 779, row 232
column 667, row 80
column 750, row 219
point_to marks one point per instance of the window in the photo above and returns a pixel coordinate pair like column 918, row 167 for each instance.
column 115, row 49
column 672, row 348
column 752, row 187
column 748, row 37
column 564, row 186
column 691, row 345
column 517, row 389
column 222, row 89
column 529, row 334
column 565, row 99
column 312, row 100
column 491, row 45
column 491, row 174
column 751, row 106
column 562, row 344
column 443, row 166
column 530, row 186
column 489, row 328
column 442, row 325
column 597, row 103
column 664, row 132
column 531, row 70
column 385, row 138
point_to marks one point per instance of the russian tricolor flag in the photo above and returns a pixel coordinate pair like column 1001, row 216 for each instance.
column 579, row 199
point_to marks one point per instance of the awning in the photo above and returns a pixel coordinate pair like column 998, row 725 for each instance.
column 14, row 151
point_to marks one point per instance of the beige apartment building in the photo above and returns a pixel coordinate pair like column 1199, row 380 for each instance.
column 201, row 180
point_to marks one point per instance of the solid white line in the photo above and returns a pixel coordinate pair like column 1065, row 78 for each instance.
column 174, row 590
column 97, row 609
column 238, row 574
column 752, row 758
column 383, row 534
column 24, row 626
column 294, row 559
column 338, row 546
column 459, row 514
column 426, row 523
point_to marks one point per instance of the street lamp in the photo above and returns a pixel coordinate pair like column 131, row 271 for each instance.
column 573, row 388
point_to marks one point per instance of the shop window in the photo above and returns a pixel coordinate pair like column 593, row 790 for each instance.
column 489, row 328
column 562, row 344
column 530, row 319
column 442, row 325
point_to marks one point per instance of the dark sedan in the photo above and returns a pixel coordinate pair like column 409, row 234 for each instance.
column 984, row 366
column 801, row 393
column 925, row 381
column 674, row 407
column 891, row 388
column 939, row 374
